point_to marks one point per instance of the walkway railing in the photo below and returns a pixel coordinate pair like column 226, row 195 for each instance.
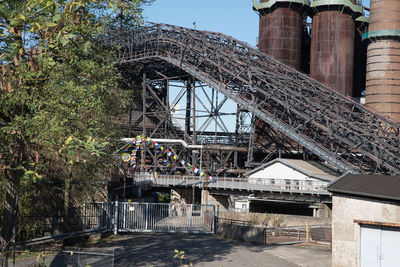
column 266, row 185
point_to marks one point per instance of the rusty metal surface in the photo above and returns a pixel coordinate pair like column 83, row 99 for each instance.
column 383, row 60
column 280, row 35
column 330, row 125
column 383, row 78
column 332, row 50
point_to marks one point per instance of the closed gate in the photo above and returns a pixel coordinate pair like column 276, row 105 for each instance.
column 152, row 217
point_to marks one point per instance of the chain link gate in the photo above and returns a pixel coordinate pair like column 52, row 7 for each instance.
column 149, row 217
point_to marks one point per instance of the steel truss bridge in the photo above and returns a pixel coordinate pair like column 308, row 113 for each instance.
column 301, row 117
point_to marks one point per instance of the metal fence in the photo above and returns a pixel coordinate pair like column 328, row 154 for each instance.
column 159, row 217
column 307, row 233
column 149, row 217
column 248, row 231
column 79, row 257
column 98, row 215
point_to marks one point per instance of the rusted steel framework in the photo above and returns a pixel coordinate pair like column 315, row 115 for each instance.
column 216, row 151
column 326, row 123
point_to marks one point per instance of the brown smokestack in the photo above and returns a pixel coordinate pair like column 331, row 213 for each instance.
column 332, row 46
column 383, row 58
column 280, row 31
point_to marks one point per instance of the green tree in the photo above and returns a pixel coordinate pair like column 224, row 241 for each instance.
column 58, row 94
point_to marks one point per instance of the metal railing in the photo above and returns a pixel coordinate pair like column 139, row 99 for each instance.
column 98, row 215
column 305, row 233
column 268, row 185
column 149, row 217
column 73, row 256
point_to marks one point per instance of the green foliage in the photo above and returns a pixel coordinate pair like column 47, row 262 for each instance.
column 180, row 255
column 164, row 197
column 58, row 97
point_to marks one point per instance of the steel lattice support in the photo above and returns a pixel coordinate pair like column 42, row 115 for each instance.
column 328, row 124
column 154, row 115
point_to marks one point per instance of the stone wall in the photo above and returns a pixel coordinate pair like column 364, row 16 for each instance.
column 240, row 233
column 346, row 233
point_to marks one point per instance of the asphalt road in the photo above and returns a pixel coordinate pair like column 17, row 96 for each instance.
column 156, row 249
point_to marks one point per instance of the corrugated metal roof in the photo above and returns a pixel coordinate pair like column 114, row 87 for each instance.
column 313, row 169
column 376, row 186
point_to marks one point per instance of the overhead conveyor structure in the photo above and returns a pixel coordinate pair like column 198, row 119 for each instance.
column 326, row 123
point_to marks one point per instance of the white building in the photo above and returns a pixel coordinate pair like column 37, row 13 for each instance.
column 365, row 221
column 293, row 174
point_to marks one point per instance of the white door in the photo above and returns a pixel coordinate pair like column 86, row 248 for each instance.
column 380, row 246
column 390, row 246
column 370, row 246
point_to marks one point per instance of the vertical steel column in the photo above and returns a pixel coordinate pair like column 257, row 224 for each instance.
column 168, row 121
column 215, row 116
column 188, row 106
column 193, row 82
column 194, row 133
column 250, row 157
column 144, row 115
column 235, row 155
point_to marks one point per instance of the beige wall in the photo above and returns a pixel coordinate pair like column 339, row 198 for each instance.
column 346, row 233
column 217, row 200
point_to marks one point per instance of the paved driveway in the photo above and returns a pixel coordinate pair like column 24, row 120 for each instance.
column 201, row 250
column 156, row 249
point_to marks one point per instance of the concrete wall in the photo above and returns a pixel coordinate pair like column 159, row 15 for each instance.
column 346, row 233
column 222, row 201
column 241, row 233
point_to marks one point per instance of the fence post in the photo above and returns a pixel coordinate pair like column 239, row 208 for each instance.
column 214, row 220
column 103, row 221
column 307, row 232
column 264, row 236
column 169, row 215
column 84, row 216
column 298, row 234
column 116, row 217
column 146, row 214
column 191, row 211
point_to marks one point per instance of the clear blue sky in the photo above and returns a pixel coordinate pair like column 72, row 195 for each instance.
column 232, row 17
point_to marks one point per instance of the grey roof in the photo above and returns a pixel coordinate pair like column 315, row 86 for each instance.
column 312, row 169
column 376, row 186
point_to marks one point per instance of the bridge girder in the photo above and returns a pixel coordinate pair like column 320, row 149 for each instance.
column 330, row 125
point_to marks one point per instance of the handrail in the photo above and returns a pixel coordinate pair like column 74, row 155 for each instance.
column 270, row 184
